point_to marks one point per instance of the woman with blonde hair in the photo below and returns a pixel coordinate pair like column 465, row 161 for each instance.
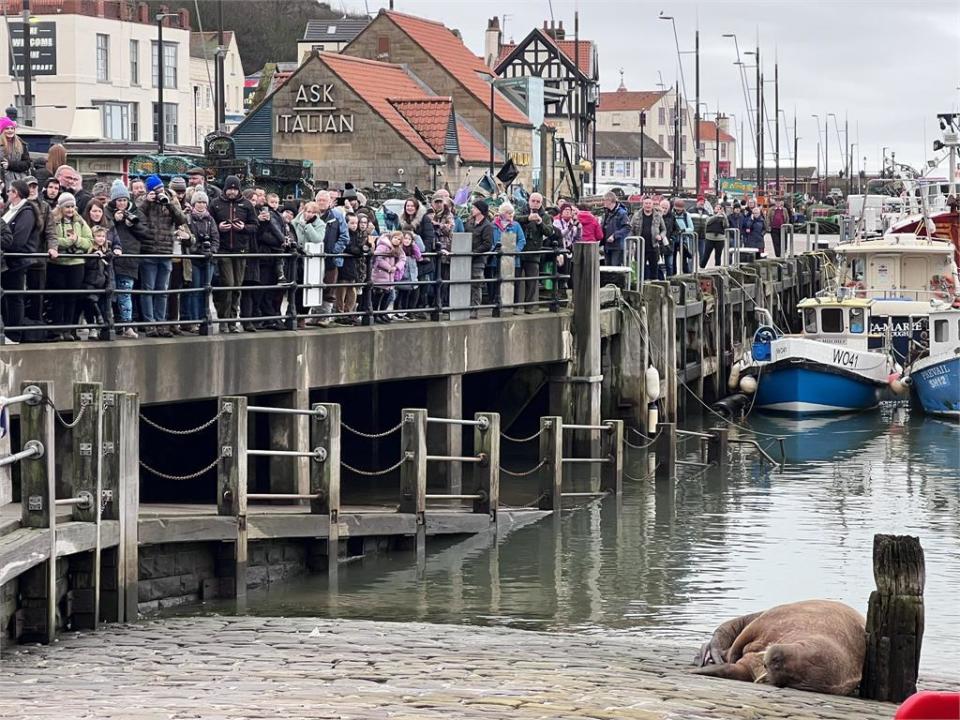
column 14, row 154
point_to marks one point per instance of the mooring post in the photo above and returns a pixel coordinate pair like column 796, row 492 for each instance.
column 611, row 472
column 894, row 619
column 586, row 371
column 87, row 481
column 717, row 447
column 667, row 452
column 37, row 493
column 551, row 472
column 232, row 482
column 413, row 473
column 486, row 442
column 121, row 502
column 111, row 580
column 325, row 475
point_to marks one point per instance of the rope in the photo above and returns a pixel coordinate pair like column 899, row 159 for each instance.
column 524, row 473
column 536, row 501
column 76, row 420
column 191, row 476
column 522, row 440
column 374, row 473
column 650, row 442
column 171, row 431
column 628, row 476
column 645, row 437
column 371, row 436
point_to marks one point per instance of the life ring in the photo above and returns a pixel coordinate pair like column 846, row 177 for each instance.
column 943, row 287
column 858, row 288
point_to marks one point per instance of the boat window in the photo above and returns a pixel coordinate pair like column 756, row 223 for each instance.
column 941, row 331
column 809, row 320
column 831, row 320
column 856, row 320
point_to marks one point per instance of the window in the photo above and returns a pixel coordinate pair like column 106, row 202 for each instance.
column 169, row 64
column 703, row 148
column 318, row 48
column 616, row 119
column 673, row 116
column 809, row 321
column 723, row 150
column 134, row 62
column 103, row 58
column 856, row 320
column 383, row 46
column 941, row 332
column 831, row 320
column 661, row 116
column 659, row 170
column 603, row 168
column 119, row 120
column 169, row 121
column 660, row 140
column 628, row 168
column 672, row 139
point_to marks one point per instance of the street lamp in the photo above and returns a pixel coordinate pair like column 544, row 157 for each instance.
column 161, row 132
column 743, row 82
column 683, row 83
column 825, row 140
column 643, row 164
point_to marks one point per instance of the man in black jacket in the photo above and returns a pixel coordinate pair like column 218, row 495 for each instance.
column 482, row 231
column 237, row 223
column 541, row 235
column 16, row 236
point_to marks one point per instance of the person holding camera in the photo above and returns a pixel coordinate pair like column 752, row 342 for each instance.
column 127, row 233
column 204, row 229
column 237, row 222
column 66, row 267
column 161, row 216
column 20, row 221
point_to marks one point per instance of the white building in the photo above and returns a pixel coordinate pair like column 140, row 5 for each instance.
column 329, row 35
column 203, row 79
column 102, row 55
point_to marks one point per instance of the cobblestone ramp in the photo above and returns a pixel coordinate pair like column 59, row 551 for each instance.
column 247, row 667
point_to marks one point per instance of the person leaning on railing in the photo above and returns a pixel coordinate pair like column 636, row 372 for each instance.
column 207, row 242
column 127, row 234
column 540, row 234
column 481, row 231
column 20, row 221
column 66, row 267
column 45, row 241
column 309, row 229
column 237, row 223
column 98, row 276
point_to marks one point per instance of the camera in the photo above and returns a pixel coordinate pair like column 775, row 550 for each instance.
column 162, row 198
column 206, row 246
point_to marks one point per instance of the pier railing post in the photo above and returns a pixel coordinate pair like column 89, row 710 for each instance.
column 413, row 472
column 586, row 365
column 87, row 448
column 667, row 452
column 611, row 473
column 717, row 447
column 325, row 475
column 486, row 442
column 37, row 493
column 551, row 455
column 232, row 482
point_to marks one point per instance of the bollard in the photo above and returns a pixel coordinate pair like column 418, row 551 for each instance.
column 325, row 475
column 611, row 473
column 667, row 452
column 717, row 447
column 232, row 483
column 413, row 473
column 87, row 447
column 551, row 455
column 486, row 441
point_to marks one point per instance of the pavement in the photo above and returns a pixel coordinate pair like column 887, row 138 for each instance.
column 292, row 668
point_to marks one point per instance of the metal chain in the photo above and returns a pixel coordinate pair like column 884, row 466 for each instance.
column 628, row 476
column 522, row 440
column 191, row 476
column 374, row 473
column 76, row 420
column 525, row 473
column 371, row 436
column 171, row 431
column 641, row 447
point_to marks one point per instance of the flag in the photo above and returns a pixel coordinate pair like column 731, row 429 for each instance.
column 508, row 173
column 4, row 421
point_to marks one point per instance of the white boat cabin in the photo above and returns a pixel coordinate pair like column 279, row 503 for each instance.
column 837, row 320
column 945, row 332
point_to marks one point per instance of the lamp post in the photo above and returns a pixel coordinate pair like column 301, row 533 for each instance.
column 161, row 129
column 743, row 85
column 27, row 68
column 683, row 84
column 643, row 165
column 843, row 150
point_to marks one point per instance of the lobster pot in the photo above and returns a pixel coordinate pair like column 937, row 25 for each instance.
column 313, row 274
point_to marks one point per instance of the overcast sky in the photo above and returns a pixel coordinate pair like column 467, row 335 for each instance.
column 890, row 66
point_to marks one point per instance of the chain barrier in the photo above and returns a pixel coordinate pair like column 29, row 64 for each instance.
column 522, row 440
column 524, row 473
column 641, row 447
column 191, row 431
column 191, row 476
column 76, row 420
column 628, row 476
column 374, row 473
column 645, row 437
column 371, row 436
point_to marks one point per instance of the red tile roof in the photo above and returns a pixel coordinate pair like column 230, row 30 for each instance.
column 438, row 41
column 377, row 82
column 629, row 100
column 430, row 117
column 473, row 147
column 566, row 47
column 708, row 133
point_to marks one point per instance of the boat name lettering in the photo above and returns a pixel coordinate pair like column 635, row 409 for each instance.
column 900, row 329
column 932, row 372
column 845, row 358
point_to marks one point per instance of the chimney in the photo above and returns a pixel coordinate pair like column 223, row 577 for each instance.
column 492, row 42
column 124, row 11
column 457, row 34
column 725, row 124
column 99, row 8
column 143, row 12
column 560, row 33
column 184, row 18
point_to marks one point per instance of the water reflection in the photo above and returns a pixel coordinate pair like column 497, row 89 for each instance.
column 677, row 561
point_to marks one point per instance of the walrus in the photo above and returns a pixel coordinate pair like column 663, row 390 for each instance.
column 815, row 645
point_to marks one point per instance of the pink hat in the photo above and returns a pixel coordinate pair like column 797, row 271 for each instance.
column 6, row 122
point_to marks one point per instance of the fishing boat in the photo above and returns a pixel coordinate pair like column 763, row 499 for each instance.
column 827, row 369
column 934, row 377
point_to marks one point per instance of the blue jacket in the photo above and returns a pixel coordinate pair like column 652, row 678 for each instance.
column 514, row 226
column 344, row 234
column 616, row 224
column 751, row 232
column 333, row 241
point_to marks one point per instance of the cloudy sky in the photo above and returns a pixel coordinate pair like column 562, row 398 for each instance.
column 890, row 66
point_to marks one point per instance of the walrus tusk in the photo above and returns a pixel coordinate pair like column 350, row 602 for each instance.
column 761, row 677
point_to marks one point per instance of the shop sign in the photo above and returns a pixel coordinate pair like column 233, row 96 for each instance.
column 314, row 111
column 43, row 48
column 732, row 186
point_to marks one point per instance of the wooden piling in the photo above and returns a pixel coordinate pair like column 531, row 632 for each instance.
column 895, row 619
column 486, row 442
column 717, row 447
column 586, row 370
column 87, row 479
column 38, row 490
column 667, row 453
column 551, row 455
column 325, row 476
column 232, row 484
column 123, row 425
column 611, row 472
column 413, row 473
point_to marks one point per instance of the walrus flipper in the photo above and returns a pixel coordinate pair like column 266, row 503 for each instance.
column 714, row 651
column 748, row 669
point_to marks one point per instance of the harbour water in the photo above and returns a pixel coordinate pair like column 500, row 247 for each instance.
column 676, row 568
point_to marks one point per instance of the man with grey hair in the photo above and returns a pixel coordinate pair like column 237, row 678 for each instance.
column 334, row 243
column 541, row 235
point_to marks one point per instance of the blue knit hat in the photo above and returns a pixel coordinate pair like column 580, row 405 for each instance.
column 119, row 190
column 154, row 183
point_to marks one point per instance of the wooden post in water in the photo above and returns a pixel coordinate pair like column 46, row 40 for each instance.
column 586, row 347
column 232, row 483
column 611, row 472
column 413, row 473
column 87, row 480
column 551, row 455
column 486, row 441
column 894, row 619
column 667, row 453
column 325, row 476
column 37, row 494
column 717, row 447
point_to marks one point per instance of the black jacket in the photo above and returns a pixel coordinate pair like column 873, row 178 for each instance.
column 128, row 235
column 225, row 210
column 20, row 165
column 354, row 266
column 482, row 240
column 98, row 271
column 23, row 237
column 270, row 237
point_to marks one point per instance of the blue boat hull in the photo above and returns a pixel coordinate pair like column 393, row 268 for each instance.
column 937, row 387
column 809, row 390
